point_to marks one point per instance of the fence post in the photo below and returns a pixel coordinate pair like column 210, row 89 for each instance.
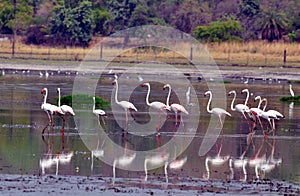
column 101, row 51
column 284, row 57
column 191, row 54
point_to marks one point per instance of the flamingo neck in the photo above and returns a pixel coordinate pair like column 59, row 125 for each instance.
column 266, row 103
column 45, row 97
column 168, row 98
column 93, row 111
column 259, row 103
column 116, row 94
column 233, row 100
column 148, row 93
column 58, row 97
column 247, row 91
column 208, row 104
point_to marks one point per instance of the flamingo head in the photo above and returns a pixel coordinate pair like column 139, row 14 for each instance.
column 231, row 92
column 207, row 93
column 58, row 90
column 145, row 84
column 114, row 82
column 245, row 91
column 43, row 90
column 166, row 86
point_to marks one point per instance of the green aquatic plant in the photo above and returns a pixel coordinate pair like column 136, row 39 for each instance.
column 295, row 99
column 84, row 99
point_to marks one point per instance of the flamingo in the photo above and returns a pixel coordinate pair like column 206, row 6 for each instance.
column 257, row 112
column 98, row 112
column 272, row 114
column 159, row 106
column 64, row 108
column 291, row 91
column 216, row 111
column 49, row 108
column 124, row 104
column 175, row 107
column 242, row 108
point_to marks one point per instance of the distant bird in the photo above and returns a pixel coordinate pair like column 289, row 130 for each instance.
column 188, row 96
column 216, row 111
column 124, row 104
column 140, row 78
column 291, row 91
column 65, row 108
column 175, row 106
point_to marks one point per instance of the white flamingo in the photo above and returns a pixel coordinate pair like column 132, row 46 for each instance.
column 271, row 115
column 49, row 108
column 257, row 112
column 175, row 107
column 291, row 91
column 216, row 111
column 98, row 112
column 242, row 108
column 159, row 106
column 126, row 105
column 65, row 108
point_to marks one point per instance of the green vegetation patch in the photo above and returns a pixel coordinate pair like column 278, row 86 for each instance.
column 289, row 99
column 83, row 99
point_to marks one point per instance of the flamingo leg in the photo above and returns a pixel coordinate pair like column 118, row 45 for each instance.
column 181, row 119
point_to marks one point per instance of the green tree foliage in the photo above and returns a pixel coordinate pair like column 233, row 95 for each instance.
column 73, row 26
column 121, row 12
column 18, row 22
column 219, row 31
column 272, row 24
column 101, row 18
column 249, row 11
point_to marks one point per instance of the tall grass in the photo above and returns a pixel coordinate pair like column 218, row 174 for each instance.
column 245, row 53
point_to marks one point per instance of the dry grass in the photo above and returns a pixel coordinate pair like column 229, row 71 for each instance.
column 246, row 53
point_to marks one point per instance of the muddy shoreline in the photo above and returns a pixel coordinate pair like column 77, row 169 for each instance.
column 79, row 185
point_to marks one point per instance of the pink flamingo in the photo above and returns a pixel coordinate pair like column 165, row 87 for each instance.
column 216, row 111
column 175, row 107
column 271, row 115
column 159, row 106
column 49, row 108
column 124, row 104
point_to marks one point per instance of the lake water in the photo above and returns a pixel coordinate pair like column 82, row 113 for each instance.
column 24, row 150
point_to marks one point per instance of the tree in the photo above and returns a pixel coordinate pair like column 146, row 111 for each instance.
column 272, row 24
column 101, row 18
column 249, row 11
column 18, row 21
column 73, row 26
column 121, row 12
column 189, row 15
column 219, row 31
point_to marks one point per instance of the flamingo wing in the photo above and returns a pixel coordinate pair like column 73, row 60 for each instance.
column 67, row 109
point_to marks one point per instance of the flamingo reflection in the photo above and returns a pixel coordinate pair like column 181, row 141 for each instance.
column 97, row 153
column 124, row 160
column 157, row 160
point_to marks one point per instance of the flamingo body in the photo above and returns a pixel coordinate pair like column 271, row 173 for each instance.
column 98, row 112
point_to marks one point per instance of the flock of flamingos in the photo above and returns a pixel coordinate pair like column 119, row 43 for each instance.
column 253, row 115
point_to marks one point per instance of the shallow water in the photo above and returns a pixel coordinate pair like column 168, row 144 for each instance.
column 24, row 150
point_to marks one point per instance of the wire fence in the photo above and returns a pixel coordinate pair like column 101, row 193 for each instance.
column 235, row 54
